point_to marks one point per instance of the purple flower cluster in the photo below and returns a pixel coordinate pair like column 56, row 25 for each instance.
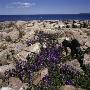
column 68, row 69
column 48, row 57
column 46, row 80
column 69, row 82
column 22, row 71
column 69, row 74
column 51, row 54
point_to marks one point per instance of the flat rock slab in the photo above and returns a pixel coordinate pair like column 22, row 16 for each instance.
column 6, row 88
column 5, row 68
column 15, row 83
column 69, row 87
column 39, row 76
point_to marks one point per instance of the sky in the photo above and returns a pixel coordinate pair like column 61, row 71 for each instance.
column 27, row 7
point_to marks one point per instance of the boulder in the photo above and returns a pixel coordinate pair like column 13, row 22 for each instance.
column 40, row 75
column 74, row 63
column 6, row 57
column 86, row 59
column 20, row 23
column 4, row 35
column 28, row 36
column 5, row 68
column 61, row 25
column 77, row 25
column 24, row 86
column 87, row 44
column 7, row 30
column 68, row 25
column 14, row 35
column 22, row 55
column 69, row 87
column 33, row 48
column 3, row 46
column 3, row 57
column 17, row 47
column 15, row 83
column 6, row 88
column 82, row 39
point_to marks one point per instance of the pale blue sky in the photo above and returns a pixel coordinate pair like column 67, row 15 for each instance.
column 9, row 7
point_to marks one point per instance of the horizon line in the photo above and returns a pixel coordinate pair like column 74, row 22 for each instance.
column 46, row 14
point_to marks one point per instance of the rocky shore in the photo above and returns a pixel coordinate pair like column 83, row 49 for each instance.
column 19, row 38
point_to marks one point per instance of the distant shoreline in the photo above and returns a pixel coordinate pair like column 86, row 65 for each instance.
column 43, row 14
column 49, row 14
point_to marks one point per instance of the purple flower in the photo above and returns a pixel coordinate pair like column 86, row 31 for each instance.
column 46, row 79
column 69, row 82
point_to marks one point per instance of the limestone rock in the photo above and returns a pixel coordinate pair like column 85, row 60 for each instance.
column 28, row 36
column 6, row 88
column 20, row 23
column 3, row 46
column 14, row 35
column 68, row 25
column 22, row 55
column 82, row 39
column 74, row 63
column 15, row 83
column 87, row 44
column 61, row 25
column 17, row 47
column 24, row 87
column 5, row 68
column 69, row 87
column 77, row 25
column 87, row 59
column 33, row 48
column 4, row 35
column 3, row 57
column 39, row 76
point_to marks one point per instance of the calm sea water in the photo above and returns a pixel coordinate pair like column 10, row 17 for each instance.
column 45, row 17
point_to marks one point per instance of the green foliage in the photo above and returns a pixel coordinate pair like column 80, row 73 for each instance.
column 84, row 82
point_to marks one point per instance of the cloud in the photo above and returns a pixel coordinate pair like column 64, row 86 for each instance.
column 20, row 5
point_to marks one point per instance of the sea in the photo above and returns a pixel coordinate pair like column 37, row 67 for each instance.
column 45, row 17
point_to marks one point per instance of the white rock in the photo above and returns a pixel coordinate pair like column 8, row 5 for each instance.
column 3, row 56
column 5, row 68
column 36, row 48
column 4, row 35
column 29, row 35
column 62, row 25
column 19, row 23
column 23, row 54
column 69, row 87
column 87, row 44
column 86, row 59
column 77, row 25
column 39, row 76
column 15, row 83
column 17, row 47
column 24, row 87
column 6, row 88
